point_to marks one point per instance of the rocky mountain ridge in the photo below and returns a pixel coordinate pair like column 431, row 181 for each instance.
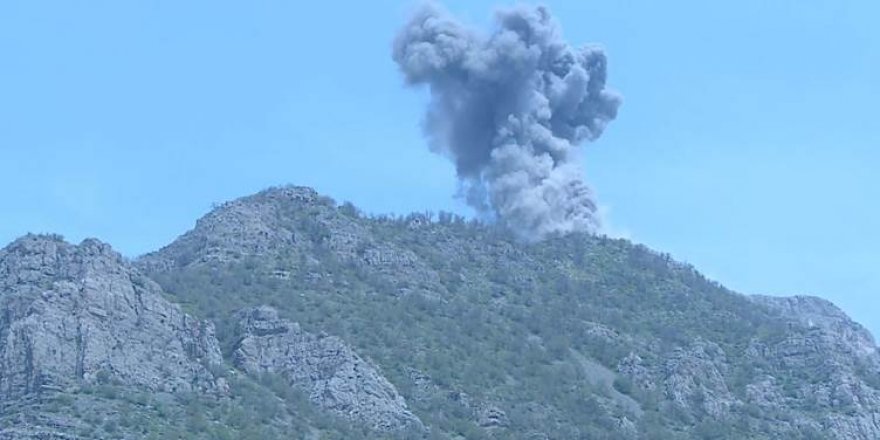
column 81, row 314
column 442, row 328
column 335, row 378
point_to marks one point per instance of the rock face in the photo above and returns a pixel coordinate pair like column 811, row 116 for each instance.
column 695, row 377
column 335, row 377
column 288, row 222
column 81, row 315
column 819, row 377
column 837, row 354
column 817, row 313
column 241, row 228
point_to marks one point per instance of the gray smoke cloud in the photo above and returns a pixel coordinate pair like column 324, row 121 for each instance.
column 510, row 109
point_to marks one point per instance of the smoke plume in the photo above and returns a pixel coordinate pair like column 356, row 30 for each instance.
column 510, row 109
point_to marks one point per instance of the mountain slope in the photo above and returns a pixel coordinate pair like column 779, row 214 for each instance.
column 79, row 317
column 300, row 318
column 78, row 314
column 575, row 337
column 91, row 348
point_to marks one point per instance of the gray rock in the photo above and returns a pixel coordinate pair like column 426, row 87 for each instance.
column 694, row 377
column 636, row 369
column 287, row 221
column 701, row 359
column 333, row 375
column 72, row 315
column 492, row 417
column 423, row 385
column 241, row 228
column 817, row 313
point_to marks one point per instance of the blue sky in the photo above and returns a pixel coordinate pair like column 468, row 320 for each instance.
column 747, row 143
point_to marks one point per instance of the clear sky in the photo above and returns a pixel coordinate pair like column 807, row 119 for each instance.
column 747, row 144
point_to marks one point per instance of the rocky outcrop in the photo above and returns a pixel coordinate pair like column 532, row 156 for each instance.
column 73, row 315
column 240, row 228
column 837, row 357
column 817, row 313
column 492, row 417
column 333, row 375
column 291, row 223
column 693, row 377
column 820, row 376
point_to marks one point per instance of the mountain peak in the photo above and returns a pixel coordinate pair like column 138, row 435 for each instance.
column 52, row 245
column 284, row 193
column 283, row 217
column 74, row 314
column 35, row 244
column 275, row 196
column 47, row 258
column 818, row 313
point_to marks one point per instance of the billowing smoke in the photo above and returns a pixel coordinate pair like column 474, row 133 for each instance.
column 510, row 109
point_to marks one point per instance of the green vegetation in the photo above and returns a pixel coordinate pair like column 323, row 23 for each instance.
column 485, row 319
column 575, row 337
column 251, row 410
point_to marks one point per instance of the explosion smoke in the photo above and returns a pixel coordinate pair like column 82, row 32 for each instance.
column 510, row 110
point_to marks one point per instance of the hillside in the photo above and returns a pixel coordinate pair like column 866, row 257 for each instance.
column 301, row 318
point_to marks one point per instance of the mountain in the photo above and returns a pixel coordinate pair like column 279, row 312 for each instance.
column 286, row 315
column 78, row 317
